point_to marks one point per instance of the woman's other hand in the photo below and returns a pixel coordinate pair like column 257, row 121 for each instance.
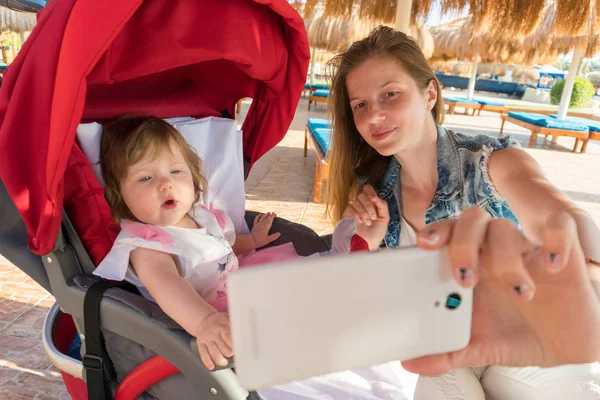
column 372, row 216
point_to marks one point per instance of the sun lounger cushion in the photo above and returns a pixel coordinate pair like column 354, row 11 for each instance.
column 547, row 122
column 316, row 123
column 307, row 86
column 320, row 86
column 491, row 103
column 321, row 93
column 209, row 137
column 594, row 126
column 322, row 136
column 462, row 100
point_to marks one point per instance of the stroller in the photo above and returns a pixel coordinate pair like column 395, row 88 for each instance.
column 94, row 60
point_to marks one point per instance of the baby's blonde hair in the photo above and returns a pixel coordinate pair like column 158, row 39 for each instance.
column 126, row 141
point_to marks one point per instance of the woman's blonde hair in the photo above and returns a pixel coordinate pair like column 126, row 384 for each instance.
column 129, row 139
column 351, row 157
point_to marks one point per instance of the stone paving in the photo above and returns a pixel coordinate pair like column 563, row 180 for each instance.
column 282, row 181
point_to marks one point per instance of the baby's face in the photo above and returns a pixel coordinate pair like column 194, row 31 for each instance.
column 159, row 191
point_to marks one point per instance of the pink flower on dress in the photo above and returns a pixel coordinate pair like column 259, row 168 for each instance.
column 219, row 214
column 148, row 232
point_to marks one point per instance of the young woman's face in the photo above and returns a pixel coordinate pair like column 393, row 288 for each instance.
column 390, row 111
column 159, row 190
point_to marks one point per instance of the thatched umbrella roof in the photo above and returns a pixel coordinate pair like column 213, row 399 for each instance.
column 335, row 34
column 461, row 68
column 584, row 32
column 15, row 21
column 381, row 10
column 458, row 40
column 514, row 17
column 523, row 73
column 452, row 41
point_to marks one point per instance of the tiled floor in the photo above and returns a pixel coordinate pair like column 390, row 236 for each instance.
column 282, row 181
column 25, row 372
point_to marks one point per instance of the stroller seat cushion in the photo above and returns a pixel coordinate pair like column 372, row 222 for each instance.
column 218, row 143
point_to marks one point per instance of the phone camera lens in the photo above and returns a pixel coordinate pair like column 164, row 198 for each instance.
column 453, row 301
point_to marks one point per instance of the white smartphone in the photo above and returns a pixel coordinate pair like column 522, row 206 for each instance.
column 321, row 315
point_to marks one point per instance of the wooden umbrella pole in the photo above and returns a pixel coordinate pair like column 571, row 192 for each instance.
column 13, row 37
column 312, row 66
column 473, row 78
column 403, row 10
column 569, row 83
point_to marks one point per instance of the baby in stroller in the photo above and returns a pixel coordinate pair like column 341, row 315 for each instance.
column 179, row 253
column 176, row 251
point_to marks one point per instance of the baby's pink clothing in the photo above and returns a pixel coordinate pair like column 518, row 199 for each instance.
column 284, row 252
column 205, row 256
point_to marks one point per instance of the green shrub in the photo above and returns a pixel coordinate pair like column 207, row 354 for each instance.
column 583, row 90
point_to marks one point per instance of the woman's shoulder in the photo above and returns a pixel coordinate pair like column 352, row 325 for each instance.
column 481, row 143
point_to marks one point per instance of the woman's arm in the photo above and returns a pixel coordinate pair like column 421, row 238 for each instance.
column 175, row 296
column 533, row 199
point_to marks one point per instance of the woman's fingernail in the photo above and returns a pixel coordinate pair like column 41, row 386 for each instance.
column 373, row 216
column 368, row 222
column 465, row 275
column 554, row 262
column 430, row 237
column 524, row 291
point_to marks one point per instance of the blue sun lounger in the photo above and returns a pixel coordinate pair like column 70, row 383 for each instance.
column 314, row 87
column 493, row 106
column 318, row 133
column 318, row 96
column 453, row 102
column 593, row 126
column 540, row 124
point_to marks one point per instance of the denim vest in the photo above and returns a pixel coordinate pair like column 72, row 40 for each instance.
column 463, row 181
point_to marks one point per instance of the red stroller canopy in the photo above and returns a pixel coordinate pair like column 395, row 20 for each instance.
column 96, row 60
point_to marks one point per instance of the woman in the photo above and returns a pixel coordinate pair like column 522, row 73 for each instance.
column 415, row 182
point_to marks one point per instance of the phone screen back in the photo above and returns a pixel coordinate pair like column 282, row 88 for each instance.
column 326, row 314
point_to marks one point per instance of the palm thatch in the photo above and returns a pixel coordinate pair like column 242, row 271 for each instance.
column 462, row 68
column 12, row 21
column 512, row 17
column 322, row 56
column 517, row 18
column 452, row 41
column 381, row 10
column 459, row 40
column 561, row 39
column 520, row 73
column 335, row 34
column 525, row 74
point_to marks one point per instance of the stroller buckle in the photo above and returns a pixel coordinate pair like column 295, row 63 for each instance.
column 92, row 362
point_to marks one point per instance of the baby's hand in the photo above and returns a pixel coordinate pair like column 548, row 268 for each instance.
column 372, row 216
column 213, row 336
column 260, row 229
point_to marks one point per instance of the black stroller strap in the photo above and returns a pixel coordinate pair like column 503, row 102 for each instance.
column 95, row 355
